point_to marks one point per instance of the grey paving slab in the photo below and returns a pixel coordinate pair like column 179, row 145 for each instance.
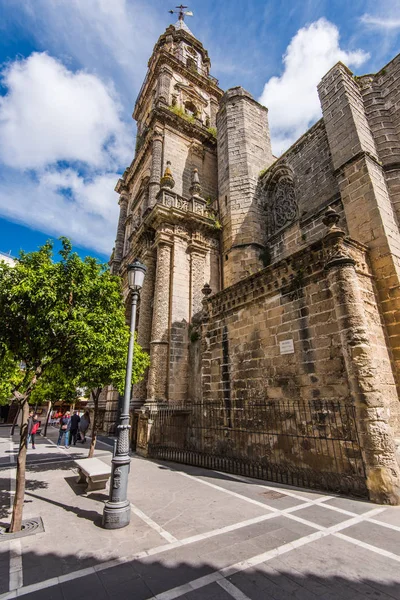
column 181, row 505
column 322, row 516
column 83, row 588
column 390, row 515
column 381, row 537
column 51, row 593
column 334, row 563
column 356, row 506
column 254, row 492
column 199, row 471
column 209, row 592
column 162, row 576
column 259, row 587
column 4, row 567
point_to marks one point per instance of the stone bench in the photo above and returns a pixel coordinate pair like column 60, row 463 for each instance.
column 93, row 472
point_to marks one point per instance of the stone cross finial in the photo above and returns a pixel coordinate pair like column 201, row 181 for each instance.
column 167, row 180
column 195, row 188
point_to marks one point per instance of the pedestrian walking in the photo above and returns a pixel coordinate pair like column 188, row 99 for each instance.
column 65, row 424
column 73, row 432
column 84, row 426
column 33, row 426
column 30, row 423
column 34, row 429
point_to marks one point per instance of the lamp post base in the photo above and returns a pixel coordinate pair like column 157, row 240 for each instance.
column 116, row 515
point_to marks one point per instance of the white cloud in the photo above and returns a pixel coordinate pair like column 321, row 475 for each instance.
column 292, row 98
column 111, row 37
column 62, row 142
column 380, row 22
column 50, row 114
column 63, row 203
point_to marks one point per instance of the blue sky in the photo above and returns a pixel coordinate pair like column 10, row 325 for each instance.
column 71, row 70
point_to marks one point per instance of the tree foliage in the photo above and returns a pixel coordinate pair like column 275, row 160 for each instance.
column 64, row 321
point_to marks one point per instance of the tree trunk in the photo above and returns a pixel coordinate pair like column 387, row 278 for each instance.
column 95, row 395
column 47, row 418
column 15, row 420
column 18, row 506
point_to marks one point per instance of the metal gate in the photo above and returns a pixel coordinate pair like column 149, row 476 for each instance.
column 309, row 444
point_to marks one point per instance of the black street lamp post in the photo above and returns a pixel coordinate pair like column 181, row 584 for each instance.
column 117, row 509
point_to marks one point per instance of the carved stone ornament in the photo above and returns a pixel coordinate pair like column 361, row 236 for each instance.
column 284, row 205
column 279, row 198
column 167, row 180
column 195, row 188
column 337, row 252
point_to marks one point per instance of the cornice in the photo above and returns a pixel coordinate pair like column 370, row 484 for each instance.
column 286, row 277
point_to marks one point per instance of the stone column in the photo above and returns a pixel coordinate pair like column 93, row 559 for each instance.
column 372, row 410
column 119, row 242
column 159, row 345
column 140, row 394
column 156, row 167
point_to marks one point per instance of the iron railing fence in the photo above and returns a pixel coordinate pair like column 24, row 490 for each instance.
column 310, row 444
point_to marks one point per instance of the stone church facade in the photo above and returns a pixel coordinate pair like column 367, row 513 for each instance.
column 268, row 279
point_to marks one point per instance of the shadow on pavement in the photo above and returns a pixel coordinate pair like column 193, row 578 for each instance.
column 145, row 578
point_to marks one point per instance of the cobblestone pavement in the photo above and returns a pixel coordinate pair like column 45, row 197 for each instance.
column 194, row 535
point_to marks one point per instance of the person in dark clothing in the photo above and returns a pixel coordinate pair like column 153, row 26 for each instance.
column 74, row 427
column 65, row 423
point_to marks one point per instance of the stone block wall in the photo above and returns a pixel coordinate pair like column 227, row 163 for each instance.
column 315, row 187
column 185, row 155
column 360, row 118
column 244, row 149
column 320, row 307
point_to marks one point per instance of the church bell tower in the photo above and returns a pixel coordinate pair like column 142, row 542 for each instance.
column 169, row 215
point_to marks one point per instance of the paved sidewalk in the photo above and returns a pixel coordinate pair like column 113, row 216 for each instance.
column 194, row 535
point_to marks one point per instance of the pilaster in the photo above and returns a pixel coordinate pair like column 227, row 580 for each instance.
column 159, row 345
column 164, row 85
column 198, row 254
column 119, row 242
column 156, row 167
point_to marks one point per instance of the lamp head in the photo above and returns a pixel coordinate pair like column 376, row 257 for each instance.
column 136, row 273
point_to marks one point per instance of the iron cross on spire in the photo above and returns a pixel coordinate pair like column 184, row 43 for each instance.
column 181, row 12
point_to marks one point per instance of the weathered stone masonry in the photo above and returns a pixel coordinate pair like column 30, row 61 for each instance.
column 303, row 249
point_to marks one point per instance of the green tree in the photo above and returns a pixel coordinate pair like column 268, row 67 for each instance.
column 54, row 386
column 67, row 315
column 109, row 368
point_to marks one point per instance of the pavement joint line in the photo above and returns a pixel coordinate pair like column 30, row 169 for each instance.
column 318, row 501
column 370, row 547
column 257, row 559
column 232, row 590
column 388, row 525
column 286, row 513
column 146, row 553
column 163, row 532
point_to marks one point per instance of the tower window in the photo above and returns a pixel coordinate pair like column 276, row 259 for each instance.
column 190, row 109
column 191, row 63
